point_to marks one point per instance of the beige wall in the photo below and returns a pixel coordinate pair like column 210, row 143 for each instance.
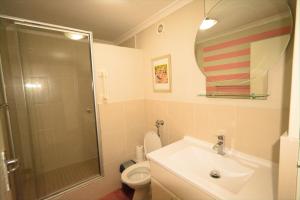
column 251, row 126
column 122, row 116
column 122, row 128
column 251, row 130
column 287, row 180
column 123, row 69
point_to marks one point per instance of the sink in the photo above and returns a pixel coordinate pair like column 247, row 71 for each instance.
column 201, row 162
column 232, row 176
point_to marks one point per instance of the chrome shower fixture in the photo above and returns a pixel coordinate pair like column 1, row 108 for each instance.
column 158, row 124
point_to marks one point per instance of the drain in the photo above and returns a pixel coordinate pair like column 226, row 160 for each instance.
column 215, row 174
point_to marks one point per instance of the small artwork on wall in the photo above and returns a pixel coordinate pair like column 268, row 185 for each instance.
column 161, row 70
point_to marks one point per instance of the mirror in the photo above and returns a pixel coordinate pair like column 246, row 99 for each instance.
column 246, row 40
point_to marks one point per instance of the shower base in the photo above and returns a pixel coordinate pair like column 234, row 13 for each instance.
column 59, row 179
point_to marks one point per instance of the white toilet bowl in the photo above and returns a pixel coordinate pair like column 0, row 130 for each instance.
column 138, row 175
column 138, row 178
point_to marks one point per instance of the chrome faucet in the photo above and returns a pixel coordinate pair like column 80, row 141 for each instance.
column 158, row 124
column 220, row 146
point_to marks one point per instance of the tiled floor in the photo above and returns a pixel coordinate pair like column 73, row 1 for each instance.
column 58, row 179
column 118, row 195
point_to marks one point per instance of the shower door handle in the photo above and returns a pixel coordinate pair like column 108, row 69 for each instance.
column 89, row 109
column 12, row 165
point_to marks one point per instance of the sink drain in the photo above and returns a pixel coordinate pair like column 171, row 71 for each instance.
column 215, row 174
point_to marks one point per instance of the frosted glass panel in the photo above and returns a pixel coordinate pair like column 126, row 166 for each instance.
column 49, row 80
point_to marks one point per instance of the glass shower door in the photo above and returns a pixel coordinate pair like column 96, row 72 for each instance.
column 6, row 185
column 48, row 80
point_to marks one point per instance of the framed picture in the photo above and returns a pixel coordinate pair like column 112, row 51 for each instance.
column 161, row 72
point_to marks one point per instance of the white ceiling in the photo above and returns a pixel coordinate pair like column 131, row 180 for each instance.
column 108, row 19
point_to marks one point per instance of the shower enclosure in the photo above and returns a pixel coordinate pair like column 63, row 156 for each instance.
column 47, row 108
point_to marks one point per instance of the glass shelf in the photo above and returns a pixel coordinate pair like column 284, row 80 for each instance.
column 233, row 96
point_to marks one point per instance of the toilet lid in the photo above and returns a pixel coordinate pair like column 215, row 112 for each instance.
column 151, row 142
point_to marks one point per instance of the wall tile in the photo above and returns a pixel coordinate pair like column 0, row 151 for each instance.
column 134, row 112
column 254, row 131
column 202, row 122
column 223, row 121
column 112, row 116
column 180, row 120
column 113, row 145
column 258, row 132
column 157, row 110
column 134, row 136
column 123, row 128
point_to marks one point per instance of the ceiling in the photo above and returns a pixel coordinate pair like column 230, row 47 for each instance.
column 107, row 19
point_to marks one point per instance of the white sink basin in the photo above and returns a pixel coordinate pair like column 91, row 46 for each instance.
column 241, row 176
column 200, row 162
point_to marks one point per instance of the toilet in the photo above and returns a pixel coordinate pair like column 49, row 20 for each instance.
column 138, row 175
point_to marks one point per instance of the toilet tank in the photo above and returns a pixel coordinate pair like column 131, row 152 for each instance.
column 152, row 142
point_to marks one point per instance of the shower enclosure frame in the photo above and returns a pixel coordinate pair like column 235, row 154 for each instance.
column 89, row 34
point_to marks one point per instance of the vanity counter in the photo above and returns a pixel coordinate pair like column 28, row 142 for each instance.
column 185, row 168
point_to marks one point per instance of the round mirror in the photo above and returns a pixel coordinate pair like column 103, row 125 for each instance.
column 237, row 43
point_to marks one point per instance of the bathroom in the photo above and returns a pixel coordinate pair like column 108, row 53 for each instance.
column 80, row 99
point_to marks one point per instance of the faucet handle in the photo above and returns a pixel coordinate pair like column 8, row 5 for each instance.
column 159, row 123
column 220, row 137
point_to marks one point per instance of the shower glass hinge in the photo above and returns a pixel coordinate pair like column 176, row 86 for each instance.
column 4, row 172
column 3, row 106
column 7, row 167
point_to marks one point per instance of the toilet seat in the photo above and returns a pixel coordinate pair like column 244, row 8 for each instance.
column 137, row 175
